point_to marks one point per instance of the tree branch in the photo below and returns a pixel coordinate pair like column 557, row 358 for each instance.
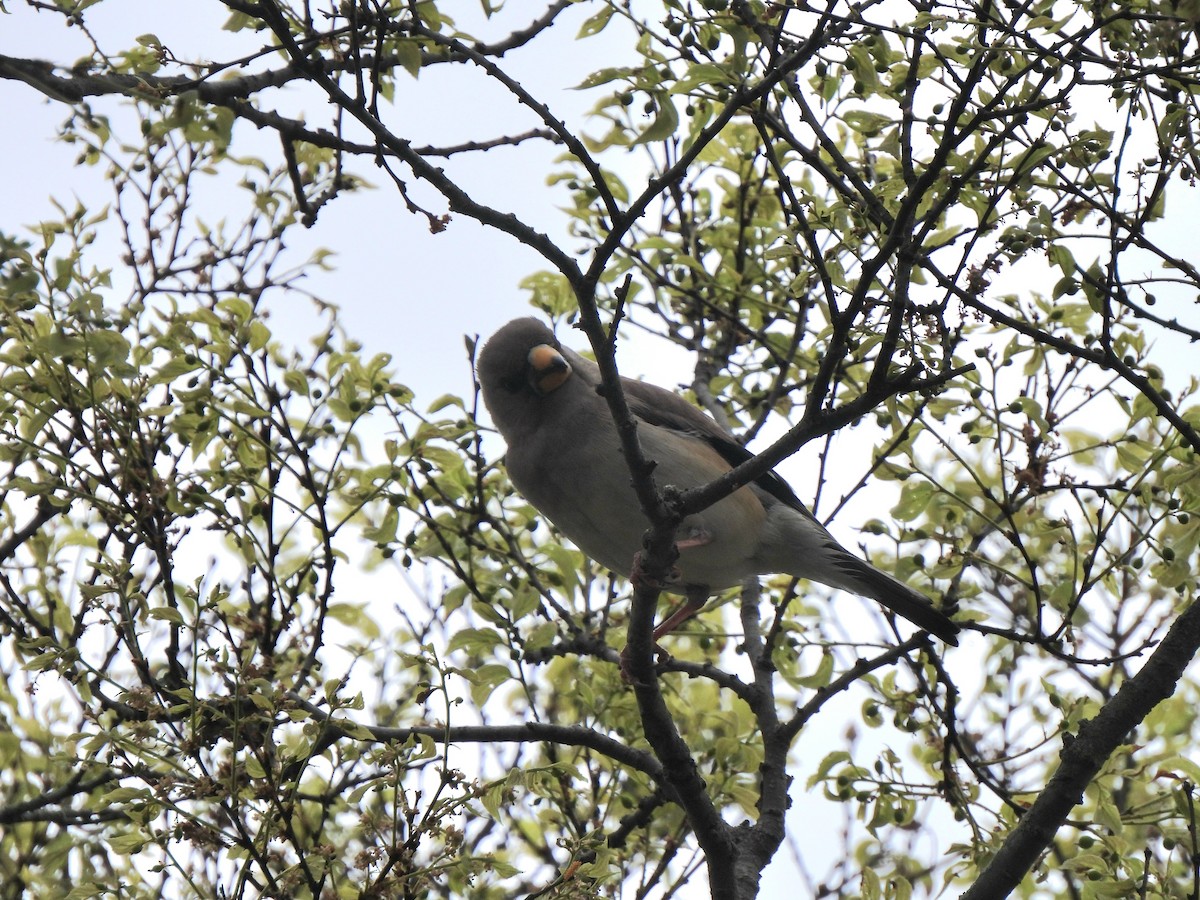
column 1084, row 756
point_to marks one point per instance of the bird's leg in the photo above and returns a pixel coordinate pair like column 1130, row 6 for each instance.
column 695, row 536
column 696, row 595
column 695, row 599
column 694, row 602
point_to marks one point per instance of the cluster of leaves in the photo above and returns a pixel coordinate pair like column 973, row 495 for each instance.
column 180, row 495
column 882, row 205
column 840, row 212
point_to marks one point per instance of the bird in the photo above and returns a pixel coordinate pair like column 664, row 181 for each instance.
column 564, row 456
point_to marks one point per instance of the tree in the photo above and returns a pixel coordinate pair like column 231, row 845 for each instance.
column 944, row 246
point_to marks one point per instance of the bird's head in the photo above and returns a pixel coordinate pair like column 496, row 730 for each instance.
column 522, row 357
column 520, row 364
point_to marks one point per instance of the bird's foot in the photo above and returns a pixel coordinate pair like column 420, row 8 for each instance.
column 640, row 579
column 696, row 598
column 694, row 536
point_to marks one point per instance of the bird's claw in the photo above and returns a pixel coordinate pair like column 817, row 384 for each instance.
column 640, row 579
column 694, row 536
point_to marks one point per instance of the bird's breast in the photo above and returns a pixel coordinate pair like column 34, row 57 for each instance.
column 585, row 489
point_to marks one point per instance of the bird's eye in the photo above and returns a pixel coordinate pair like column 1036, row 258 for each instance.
column 514, row 384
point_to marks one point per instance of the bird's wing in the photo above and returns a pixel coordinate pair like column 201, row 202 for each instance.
column 666, row 409
column 663, row 408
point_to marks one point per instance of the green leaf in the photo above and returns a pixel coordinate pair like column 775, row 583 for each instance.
column 603, row 76
column 354, row 615
column 821, row 677
column 665, row 123
column 443, row 401
column 408, row 54
column 868, row 123
column 260, row 334
column 126, row 844
column 125, row 794
column 596, row 23
column 476, row 641
column 914, row 500
column 1061, row 256
column 826, row 766
column 485, row 679
column 296, row 382
column 493, row 797
column 701, row 74
column 167, row 614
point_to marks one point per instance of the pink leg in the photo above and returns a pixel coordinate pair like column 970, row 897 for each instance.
column 693, row 604
column 697, row 596
column 697, row 537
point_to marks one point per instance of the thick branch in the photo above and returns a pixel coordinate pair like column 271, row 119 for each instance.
column 679, row 768
column 1083, row 757
column 813, row 424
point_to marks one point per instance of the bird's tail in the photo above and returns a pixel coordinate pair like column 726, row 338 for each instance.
column 899, row 598
column 813, row 553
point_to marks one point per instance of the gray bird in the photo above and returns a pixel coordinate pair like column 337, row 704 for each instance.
column 565, row 457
